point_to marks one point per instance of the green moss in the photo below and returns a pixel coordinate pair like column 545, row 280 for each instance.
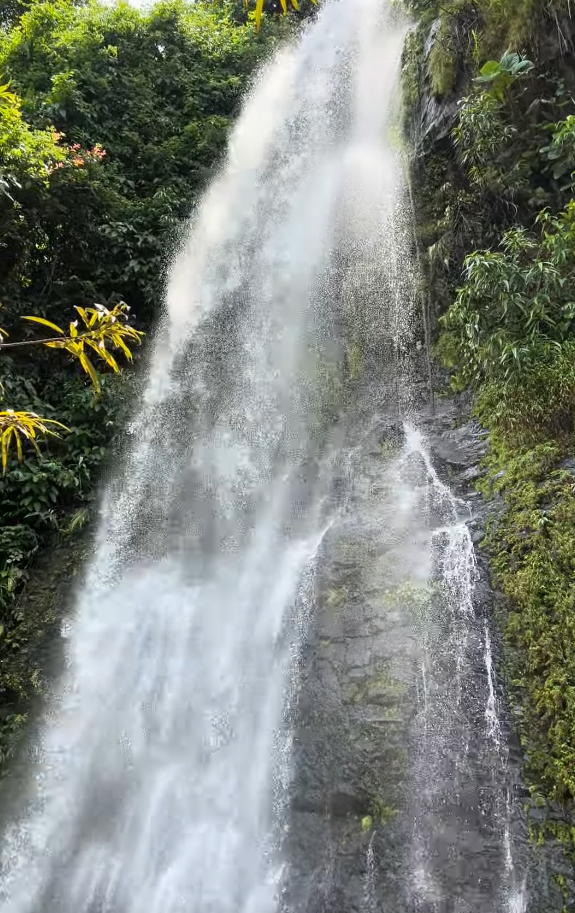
column 382, row 812
column 389, row 449
column 354, row 361
column 414, row 597
column 442, row 63
column 335, row 597
column 511, row 26
column 533, row 562
column 413, row 72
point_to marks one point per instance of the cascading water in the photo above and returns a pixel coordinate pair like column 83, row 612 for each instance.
column 163, row 774
column 462, row 821
column 163, row 755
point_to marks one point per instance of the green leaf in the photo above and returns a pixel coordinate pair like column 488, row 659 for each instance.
column 489, row 71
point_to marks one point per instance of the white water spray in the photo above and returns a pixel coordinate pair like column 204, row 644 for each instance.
column 163, row 761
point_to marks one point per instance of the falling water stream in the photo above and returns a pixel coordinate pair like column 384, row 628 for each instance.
column 160, row 778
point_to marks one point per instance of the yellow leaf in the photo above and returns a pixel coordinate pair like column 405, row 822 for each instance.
column 259, row 11
column 90, row 371
column 284, row 6
column 5, row 438
column 18, row 425
column 46, row 323
column 119, row 342
column 83, row 315
column 56, row 344
column 102, row 351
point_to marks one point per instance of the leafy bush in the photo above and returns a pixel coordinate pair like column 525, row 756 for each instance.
column 157, row 91
column 512, row 324
column 533, row 561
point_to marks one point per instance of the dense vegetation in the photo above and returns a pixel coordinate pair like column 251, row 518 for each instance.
column 112, row 121
column 497, row 228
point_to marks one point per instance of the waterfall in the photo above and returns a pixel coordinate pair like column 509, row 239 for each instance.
column 161, row 778
column 158, row 779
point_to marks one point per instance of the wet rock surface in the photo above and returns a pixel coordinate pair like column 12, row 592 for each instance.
column 351, row 839
column 357, row 694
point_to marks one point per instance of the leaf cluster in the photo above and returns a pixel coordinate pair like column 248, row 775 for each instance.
column 516, row 308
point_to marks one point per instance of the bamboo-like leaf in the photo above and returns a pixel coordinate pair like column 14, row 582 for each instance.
column 122, row 345
column 90, row 371
column 259, row 11
column 46, row 323
column 101, row 350
column 17, row 425
column 111, row 361
column 83, row 315
column 101, row 326
column 5, row 438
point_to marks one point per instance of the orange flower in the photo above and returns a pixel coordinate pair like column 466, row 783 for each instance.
column 78, row 162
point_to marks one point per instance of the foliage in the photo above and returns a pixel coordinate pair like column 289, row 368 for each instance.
column 533, row 560
column 25, row 154
column 16, row 426
column 102, row 326
column 496, row 229
column 156, row 91
column 561, row 152
column 112, row 121
column 500, row 75
column 515, row 310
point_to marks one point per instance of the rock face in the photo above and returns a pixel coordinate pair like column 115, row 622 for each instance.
column 351, row 744
column 433, row 117
column 363, row 784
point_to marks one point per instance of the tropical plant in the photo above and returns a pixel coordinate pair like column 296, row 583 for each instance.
column 500, row 75
column 560, row 152
column 515, row 309
column 18, row 426
column 102, row 327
